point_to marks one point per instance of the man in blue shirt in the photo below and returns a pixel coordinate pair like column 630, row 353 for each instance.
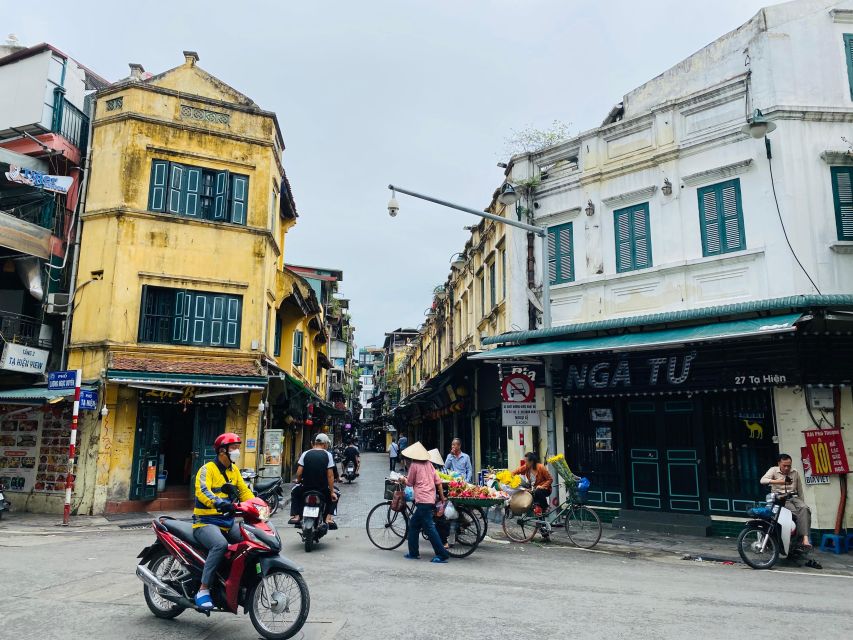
column 458, row 461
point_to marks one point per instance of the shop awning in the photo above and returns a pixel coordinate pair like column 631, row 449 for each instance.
column 39, row 395
column 156, row 378
column 635, row 341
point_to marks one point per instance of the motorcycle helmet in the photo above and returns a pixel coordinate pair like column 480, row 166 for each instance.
column 225, row 440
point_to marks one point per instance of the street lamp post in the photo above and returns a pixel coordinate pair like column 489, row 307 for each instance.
column 509, row 196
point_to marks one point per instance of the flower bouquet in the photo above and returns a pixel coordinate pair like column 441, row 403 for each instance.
column 562, row 468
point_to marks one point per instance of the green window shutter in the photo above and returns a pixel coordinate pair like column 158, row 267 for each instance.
column 157, row 189
column 492, row 285
column 503, row 273
column 239, row 194
column 144, row 312
column 181, row 323
column 192, row 191
column 561, row 267
column 848, row 53
column 277, row 339
column 642, row 237
column 297, row 348
column 217, row 320
column 232, row 322
column 721, row 218
column 220, row 195
column 622, row 224
column 176, row 188
column 842, row 195
column 199, row 319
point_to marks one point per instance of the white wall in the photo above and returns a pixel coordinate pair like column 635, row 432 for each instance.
column 22, row 97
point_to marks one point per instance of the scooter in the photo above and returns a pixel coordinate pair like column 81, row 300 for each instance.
column 270, row 491
column 768, row 534
column 252, row 575
column 313, row 523
column 349, row 472
column 5, row 505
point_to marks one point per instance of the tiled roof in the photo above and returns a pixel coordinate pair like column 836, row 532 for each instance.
column 210, row 366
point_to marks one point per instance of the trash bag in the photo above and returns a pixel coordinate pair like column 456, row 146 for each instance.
column 450, row 511
column 410, row 494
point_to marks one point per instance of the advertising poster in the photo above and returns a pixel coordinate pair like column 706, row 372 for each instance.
column 603, row 438
column 273, row 447
column 34, row 448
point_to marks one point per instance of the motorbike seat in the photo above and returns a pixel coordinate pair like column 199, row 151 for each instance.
column 262, row 487
column 181, row 529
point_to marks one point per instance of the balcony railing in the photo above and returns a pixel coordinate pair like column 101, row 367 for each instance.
column 20, row 329
column 69, row 122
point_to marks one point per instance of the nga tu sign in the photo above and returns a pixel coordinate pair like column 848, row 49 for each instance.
column 630, row 373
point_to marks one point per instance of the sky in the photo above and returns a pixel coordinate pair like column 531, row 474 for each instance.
column 418, row 93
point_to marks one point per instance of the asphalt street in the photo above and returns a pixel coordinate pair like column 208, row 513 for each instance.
column 80, row 583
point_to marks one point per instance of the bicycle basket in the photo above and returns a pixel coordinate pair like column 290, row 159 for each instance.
column 390, row 488
column 521, row 502
column 579, row 490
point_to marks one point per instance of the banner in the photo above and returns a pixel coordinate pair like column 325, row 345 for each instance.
column 21, row 175
column 826, row 449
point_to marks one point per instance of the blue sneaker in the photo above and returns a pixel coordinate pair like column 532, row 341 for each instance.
column 203, row 601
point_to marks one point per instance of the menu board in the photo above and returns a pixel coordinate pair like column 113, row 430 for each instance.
column 34, row 448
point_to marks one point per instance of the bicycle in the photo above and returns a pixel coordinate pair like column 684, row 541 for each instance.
column 388, row 529
column 582, row 524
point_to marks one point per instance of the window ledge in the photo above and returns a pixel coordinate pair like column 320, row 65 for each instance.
column 842, row 246
column 717, row 174
column 734, row 256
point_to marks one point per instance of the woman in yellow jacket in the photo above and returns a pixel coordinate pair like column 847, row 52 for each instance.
column 213, row 516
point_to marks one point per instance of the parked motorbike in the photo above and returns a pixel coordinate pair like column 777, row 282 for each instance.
column 349, row 472
column 768, row 534
column 338, row 453
column 314, row 524
column 270, row 491
column 249, row 476
column 5, row 505
column 252, row 575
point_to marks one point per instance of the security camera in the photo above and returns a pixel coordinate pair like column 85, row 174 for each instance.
column 393, row 207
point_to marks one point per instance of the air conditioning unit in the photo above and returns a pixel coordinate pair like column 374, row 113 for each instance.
column 57, row 303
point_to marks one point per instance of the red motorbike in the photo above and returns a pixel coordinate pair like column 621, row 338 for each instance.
column 253, row 574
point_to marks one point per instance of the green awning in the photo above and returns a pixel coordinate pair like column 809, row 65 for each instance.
column 39, row 395
column 650, row 340
column 249, row 383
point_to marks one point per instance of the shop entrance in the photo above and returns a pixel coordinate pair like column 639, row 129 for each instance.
column 663, row 440
column 174, row 441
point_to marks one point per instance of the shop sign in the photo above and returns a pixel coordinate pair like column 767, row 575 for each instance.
column 826, row 452
column 520, row 414
column 88, row 400
column 61, row 380
column 17, row 357
column 517, row 387
column 29, row 177
column 273, row 440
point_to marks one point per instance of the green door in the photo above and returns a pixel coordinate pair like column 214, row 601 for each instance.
column 209, row 423
column 146, row 453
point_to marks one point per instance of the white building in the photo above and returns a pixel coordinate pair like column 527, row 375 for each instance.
column 670, row 207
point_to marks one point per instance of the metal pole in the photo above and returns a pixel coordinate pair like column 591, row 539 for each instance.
column 540, row 231
column 72, row 448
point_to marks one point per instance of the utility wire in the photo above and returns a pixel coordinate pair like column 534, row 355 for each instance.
column 782, row 222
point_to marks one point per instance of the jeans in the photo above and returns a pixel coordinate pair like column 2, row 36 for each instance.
column 216, row 542
column 393, row 463
column 422, row 519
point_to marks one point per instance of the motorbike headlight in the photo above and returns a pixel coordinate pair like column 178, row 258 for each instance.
column 263, row 513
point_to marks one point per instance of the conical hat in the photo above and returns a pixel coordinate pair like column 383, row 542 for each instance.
column 435, row 457
column 416, row 451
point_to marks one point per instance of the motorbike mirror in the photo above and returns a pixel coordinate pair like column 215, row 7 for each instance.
column 229, row 490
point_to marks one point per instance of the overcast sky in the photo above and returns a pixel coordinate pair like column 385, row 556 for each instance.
column 420, row 93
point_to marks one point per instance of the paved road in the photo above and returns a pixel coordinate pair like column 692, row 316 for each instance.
column 80, row 584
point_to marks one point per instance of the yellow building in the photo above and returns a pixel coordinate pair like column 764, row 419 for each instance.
column 180, row 280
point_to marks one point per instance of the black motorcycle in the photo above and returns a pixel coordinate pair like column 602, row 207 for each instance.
column 349, row 472
column 270, row 491
column 313, row 523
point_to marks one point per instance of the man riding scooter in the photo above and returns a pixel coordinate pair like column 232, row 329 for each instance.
column 783, row 479
column 315, row 471
column 213, row 516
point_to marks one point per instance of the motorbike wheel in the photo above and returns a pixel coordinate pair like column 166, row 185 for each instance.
column 278, row 604
column 162, row 566
column 749, row 547
column 273, row 503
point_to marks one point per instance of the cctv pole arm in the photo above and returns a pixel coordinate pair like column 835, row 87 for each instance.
column 539, row 231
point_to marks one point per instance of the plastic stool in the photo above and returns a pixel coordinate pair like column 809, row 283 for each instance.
column 832, row 543
column 849, row 541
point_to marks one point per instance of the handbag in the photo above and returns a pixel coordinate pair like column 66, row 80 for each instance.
column 398, row 501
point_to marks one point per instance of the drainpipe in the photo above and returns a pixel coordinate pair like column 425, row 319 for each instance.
column 842, row 479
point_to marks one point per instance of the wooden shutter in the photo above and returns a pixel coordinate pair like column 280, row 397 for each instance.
column 552, row 256
column 641, row 237
column 217, row 320
column 560, row 259
column 842, row 192
column 232, row 322
column 622, row 225
column 220, row 195
column 721, row 218
column 157, row 189
column 732, row 218
column 199, row 318
column 181, row 322
column 709, row 222
column 239, row 195
column 848, row 51
column 297, row 348
column 176, row 188
column 191, row 192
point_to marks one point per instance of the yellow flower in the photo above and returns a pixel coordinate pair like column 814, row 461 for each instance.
column 557, row 458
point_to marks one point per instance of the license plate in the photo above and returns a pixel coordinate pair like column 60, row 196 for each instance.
column 311, row 512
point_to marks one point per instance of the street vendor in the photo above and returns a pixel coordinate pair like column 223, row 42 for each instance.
column 539, row 478
column 458, row 461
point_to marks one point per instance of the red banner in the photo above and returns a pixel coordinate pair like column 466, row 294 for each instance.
column 826, row 449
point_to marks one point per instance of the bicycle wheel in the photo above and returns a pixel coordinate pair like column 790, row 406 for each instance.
column 464, row 534
column 583, row 527
column 519, row 528
column 387, row 529
column 480, row 515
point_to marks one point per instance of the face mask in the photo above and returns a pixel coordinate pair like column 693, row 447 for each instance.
column 234, row 455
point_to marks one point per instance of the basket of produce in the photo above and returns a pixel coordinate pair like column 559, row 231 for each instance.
column 461, row 492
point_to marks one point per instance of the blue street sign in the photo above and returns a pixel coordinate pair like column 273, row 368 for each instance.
column 88, row 400
column 61, row 380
